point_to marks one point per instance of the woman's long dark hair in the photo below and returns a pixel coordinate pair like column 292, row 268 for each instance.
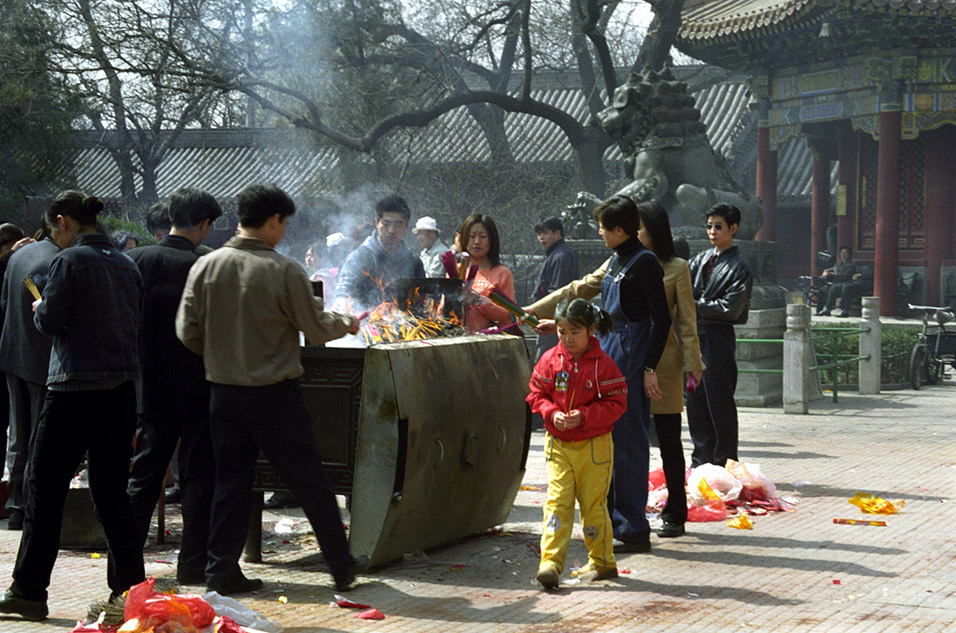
column 655, row 221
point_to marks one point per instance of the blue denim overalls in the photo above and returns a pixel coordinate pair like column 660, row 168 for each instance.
column 627, row 345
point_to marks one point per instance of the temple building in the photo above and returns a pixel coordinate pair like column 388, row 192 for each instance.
column 870, row 84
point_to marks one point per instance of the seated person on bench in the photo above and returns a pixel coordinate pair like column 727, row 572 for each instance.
column 845, row 284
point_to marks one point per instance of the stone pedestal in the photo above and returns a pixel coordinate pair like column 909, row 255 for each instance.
column 80, row 528
column 760, row 390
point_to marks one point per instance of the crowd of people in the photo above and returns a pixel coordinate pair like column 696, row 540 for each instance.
column 195, row 353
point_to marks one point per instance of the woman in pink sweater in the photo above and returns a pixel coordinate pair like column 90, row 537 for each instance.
column 478, row 237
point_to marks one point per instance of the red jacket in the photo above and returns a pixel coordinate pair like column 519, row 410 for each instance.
column 592, row 384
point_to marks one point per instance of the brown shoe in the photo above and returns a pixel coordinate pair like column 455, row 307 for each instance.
column 594, row 572
column 548, row 576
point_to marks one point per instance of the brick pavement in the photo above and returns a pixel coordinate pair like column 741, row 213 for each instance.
column 792, row 572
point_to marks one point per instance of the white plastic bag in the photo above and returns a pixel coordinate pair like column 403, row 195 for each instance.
column 725, row 485
column 243, row 615
column 757, row 486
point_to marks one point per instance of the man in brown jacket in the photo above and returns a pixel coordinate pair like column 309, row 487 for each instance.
column 242, row 310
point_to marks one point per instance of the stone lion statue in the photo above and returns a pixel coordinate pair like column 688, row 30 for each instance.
column 668, row 156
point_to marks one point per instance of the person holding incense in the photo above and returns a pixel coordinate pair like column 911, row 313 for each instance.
column 579, row 392
column 631, row 284
column 25, row 359
column 680, row 355
column 478, row 236
column 91, row 308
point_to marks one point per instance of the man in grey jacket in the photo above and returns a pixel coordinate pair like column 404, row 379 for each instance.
column 25, row 359
column 242, row 309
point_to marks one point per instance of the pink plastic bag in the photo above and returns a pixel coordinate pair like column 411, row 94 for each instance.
column 655, row 479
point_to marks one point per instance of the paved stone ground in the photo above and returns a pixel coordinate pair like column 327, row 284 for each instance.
column 793, row 572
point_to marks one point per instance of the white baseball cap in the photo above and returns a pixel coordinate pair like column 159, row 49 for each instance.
column 425, row 223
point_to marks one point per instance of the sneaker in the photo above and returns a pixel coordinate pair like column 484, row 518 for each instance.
column 239, row 584
column 343, row 581
column 548, row 577
column 594, row 572
column 27, row 609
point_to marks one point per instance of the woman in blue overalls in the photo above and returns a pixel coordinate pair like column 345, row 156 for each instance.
column 632, row 292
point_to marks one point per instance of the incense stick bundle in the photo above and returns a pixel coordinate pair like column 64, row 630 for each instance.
column 32, row 287
column 506, row 303
column 449, row 264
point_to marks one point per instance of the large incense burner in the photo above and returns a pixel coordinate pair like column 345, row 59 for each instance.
column 428, row 437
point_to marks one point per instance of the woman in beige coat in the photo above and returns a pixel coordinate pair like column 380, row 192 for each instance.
column 682, row 354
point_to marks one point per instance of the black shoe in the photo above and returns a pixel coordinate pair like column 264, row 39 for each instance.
column 27, row 609
column 173, row 495
column 632, row 547
column 281, row 499
column 15, row 520
column 343, row 581
column 239, row 584
column 190, row 577
column 824, row 312
column 671, row 530
column 842, row 314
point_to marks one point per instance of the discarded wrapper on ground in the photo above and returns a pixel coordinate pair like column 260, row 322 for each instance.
column 875, row 505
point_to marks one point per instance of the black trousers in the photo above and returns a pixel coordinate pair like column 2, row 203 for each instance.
column 98, row 423
column 26, row 403
column 711, row 409
column 156, row 440
column 272, row 418
column 667, row 426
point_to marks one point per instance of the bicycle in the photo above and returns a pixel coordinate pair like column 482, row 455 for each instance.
column 934, row 348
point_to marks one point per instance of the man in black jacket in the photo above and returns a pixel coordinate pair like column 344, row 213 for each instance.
column 174, row 394
column 559, row 269
column 25, row 359
column 722, row 284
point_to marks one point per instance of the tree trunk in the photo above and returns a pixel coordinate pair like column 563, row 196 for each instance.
column 589, row 161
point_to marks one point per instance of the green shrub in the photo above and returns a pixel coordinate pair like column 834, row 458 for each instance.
column 896, row 343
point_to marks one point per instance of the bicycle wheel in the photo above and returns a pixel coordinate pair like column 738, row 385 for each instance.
column 918, row 369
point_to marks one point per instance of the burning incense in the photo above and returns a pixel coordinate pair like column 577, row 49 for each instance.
column 362, row 316
column 509, row 305
column 32, row 287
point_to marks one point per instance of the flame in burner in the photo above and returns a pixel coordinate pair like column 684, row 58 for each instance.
column 424, row 319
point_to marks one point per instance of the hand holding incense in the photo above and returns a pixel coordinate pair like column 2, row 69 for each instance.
column 449, row 263
column 32, row 287
column 512, row 307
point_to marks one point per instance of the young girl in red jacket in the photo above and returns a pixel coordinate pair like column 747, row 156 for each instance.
column 579, row 392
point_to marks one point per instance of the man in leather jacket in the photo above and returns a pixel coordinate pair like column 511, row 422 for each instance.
column 722, row 284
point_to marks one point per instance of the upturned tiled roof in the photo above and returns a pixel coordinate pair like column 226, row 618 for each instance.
column 711, row 19
column 223, row 161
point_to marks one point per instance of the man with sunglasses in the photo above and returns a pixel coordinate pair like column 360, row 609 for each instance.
column 722, row 285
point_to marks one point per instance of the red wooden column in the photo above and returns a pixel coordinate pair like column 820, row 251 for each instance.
column 767, row 185
column 886, row 259
column 940, row 196
column 819, row 202
column 846, row 224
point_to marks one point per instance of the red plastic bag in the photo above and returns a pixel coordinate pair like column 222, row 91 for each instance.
column 228, row 625
column 371, row 614
column 152, row 608
column 713, row 511
column 656, row 479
